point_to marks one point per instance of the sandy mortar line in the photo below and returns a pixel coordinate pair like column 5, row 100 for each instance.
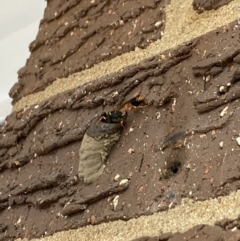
column 179, row 219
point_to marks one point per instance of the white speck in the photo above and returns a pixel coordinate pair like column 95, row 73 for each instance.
column 170, row 205
column 130, row 129
column 121, row 22
column 59, row 214
column 116, row 178
column 131, row 150
column 208, row 78
column 17, row 163
column 158, row 115
column 221, row 88
column 60, row 124
column 224, row 111
column 19, row 221
column 123, row 182
column 115, row 202
column 174, row 104
column 158, row 24
column 234, row 229
column 238, row 140
column 221, row 144
column 114, row 94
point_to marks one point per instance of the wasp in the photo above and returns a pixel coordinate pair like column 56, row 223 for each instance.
column 114, row 116
column 119, row 115
column 135, row 102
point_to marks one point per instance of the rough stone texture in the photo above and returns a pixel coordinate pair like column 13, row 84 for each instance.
column 75, row 35
column 177, row 159
column 190, row 25
column 202, row 5
column 40, row 161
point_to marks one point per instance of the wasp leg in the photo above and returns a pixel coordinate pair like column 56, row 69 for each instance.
column 101, row 118
column 122, row 124
column 132, row 107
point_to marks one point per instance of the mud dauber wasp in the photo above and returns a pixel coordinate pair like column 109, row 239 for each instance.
column 119, row 115
column 114, row 116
